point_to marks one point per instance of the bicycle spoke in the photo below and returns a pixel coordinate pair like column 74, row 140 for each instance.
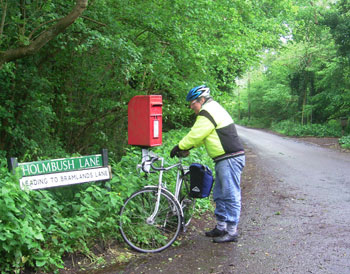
column 154, row 236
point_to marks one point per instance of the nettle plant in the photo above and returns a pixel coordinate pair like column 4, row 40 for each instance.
column 38, row 228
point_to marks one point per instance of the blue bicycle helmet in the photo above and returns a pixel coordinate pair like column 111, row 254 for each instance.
column 200, row 91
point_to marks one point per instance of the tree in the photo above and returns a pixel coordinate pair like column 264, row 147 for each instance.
column 72, row 94
column 307, row 80
column 33, row 42
column 338, row 19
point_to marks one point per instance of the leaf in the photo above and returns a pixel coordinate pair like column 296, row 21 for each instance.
column 39, row 236
column 39, row 263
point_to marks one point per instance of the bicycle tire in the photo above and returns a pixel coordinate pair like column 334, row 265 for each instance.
column 145, row 237
column 187, row 202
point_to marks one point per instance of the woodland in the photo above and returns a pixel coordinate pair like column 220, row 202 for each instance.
column 69, row 68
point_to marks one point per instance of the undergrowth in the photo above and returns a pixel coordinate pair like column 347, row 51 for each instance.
column 38, row 228
column 289, row 128
column 345, row 142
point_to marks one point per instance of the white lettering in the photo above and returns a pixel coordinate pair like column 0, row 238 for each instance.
column 25, row 169
column 59, row 165
column 94, row 161
column 46, row 168
column 38, row 167
column 33, row 171
column 53, row 166
column 71, row 164
column 87, row 164
column 98, row 161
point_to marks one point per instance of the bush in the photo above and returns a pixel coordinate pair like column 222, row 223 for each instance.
column 176, row 116
column 39, row 227
column 289, row 128
column 254, row 122
column 345, row 142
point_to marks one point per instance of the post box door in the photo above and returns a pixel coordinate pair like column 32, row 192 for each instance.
column 145, row 120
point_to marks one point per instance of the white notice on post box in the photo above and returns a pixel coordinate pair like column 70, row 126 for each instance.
column 65, row 178
column 155, row 129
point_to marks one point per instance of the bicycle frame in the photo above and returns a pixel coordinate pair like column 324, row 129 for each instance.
column 148, row 158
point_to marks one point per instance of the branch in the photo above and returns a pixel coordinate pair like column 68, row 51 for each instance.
column 3, row 17
column 22, row 26
column 89, row 123
column 138, row 35
column 92, row 20
column 34, row 30
column 46, row 36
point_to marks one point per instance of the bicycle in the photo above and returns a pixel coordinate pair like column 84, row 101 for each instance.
column 152, row 217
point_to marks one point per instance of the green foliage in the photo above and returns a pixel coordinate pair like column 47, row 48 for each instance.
column 345, row 142
column 306, row 80
column 72, row 96
column 289, row 128
column 37, row 228
column 338, row 19
column 176, row 115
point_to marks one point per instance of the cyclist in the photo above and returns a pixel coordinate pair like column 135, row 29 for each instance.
column 215, row 128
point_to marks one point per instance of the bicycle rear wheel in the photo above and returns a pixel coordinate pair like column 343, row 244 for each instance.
column 142, row 235
column 188, row 203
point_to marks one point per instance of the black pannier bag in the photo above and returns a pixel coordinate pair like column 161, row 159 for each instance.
column 201, row 178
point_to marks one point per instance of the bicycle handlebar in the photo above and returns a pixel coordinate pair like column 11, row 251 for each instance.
column 149, row 158
column 146, row 165
column 163, row 168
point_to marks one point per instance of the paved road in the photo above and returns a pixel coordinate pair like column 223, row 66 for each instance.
column 295, row 216
column 324, row 173
column 315, row 183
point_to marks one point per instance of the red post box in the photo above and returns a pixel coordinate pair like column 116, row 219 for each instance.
column 145, row 120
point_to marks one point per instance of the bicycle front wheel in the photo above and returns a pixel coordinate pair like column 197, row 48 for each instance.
column 143, row 234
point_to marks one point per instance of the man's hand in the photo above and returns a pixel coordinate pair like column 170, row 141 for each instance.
column 174, row 151
column 183, row 153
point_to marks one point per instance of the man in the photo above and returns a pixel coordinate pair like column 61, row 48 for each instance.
column 215, row 128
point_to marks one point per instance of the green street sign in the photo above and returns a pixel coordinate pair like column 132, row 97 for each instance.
column 61, row 165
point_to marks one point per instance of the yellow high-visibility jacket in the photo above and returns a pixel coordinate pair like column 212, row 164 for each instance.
column 215, row 129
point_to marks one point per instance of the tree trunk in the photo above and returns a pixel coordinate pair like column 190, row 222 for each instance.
column 3, row 17
column 303, row 109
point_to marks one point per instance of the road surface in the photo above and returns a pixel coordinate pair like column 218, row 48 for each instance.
column 295, row 216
